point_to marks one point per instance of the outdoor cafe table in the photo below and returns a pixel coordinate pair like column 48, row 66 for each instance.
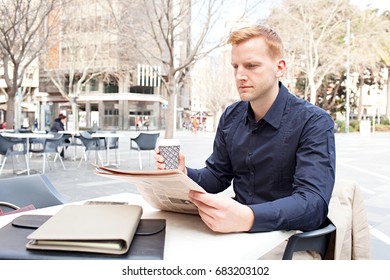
column 27, row 136
column 107, row 135
column 187, row 237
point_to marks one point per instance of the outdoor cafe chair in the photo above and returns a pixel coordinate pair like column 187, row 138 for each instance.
column 112, row 143
column 315, row 240
column 11, row 148
column 144, row 142
column 91, row 144
column 36, row 190
column 49, row 146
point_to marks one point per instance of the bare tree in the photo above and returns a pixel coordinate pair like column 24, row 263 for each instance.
column 24, row 31
column 213, row 80
column 384, row 54
column 87, row 48
column 369, row 37
column 176, row 36
column 314, row 33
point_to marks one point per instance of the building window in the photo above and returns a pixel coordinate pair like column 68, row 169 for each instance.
column 111, row 112
column 111, row 88
column 94, row 85
column 94, row 107
column 142, row 89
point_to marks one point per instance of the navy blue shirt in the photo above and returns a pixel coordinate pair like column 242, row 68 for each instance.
column 282, row 167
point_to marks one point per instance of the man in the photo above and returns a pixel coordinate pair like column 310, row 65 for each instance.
column 277, row 150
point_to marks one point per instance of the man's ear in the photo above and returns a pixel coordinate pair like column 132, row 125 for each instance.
column 281, row 66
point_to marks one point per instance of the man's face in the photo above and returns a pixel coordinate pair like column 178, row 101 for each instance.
column 255, row 71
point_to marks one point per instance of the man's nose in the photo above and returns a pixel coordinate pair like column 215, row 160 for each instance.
column 240, row 74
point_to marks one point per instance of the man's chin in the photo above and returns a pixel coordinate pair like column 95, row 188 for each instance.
column 245, row 96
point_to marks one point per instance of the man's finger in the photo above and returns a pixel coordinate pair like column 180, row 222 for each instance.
column 211, row 200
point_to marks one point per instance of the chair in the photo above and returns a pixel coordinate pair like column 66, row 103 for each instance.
column 32, row 141
column 113, row 144
column 66, row 142
column 314, row 240
column 70, row 140
column 50, row 146
column 24, row 130
column 9, row 148
column 26, row 190
column 91, row 144
column 144, row 142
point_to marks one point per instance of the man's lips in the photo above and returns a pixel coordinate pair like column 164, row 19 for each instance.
column 244, row 87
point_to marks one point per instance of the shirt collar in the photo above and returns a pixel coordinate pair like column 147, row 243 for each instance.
column 275, row 113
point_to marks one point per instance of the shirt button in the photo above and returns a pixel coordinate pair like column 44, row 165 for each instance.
column 250, row 193
column 252, row 173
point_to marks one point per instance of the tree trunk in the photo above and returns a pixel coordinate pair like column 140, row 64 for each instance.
column 360, row 106
column 312, row 87
column 217, row 116
column 10, row 115
column 313, row 91
column 170, row 115
column 388, row 94
column 75, row 115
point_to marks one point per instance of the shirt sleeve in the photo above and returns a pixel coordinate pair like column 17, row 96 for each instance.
column 217, row 175
column 307, row 207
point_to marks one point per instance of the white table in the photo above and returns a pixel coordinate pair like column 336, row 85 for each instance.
column 27, row 136
column 107, row 136
column 188, row 238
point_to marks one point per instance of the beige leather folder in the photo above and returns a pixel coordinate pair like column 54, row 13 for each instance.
column 88, row 228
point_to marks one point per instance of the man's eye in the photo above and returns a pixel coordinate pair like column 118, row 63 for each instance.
column 250, row 66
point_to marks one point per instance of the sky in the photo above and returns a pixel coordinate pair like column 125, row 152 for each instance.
column 380, row 4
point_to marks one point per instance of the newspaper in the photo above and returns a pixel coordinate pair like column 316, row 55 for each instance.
column 162, row 189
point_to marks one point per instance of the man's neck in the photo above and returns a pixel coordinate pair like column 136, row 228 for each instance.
column 261, row 106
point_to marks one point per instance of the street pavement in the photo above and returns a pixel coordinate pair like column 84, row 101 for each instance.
column 364, row 158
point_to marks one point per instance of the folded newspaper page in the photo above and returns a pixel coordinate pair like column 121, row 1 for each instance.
column 162, row 189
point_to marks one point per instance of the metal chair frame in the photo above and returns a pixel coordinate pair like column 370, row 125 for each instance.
column 91, row 144
column 8, row 148
column 144, row 142
column 50, row 146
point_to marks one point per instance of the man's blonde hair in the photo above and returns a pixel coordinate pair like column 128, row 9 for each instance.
column 271, row 38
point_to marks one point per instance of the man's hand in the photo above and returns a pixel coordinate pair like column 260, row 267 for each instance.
column 160, row 161
column 222, row 213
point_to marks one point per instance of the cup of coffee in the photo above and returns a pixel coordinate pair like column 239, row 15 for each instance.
column 169, row 149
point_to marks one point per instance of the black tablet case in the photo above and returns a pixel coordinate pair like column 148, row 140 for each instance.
column 148, row 242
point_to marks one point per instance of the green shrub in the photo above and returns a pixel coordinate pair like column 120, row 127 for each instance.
column 385, row 121
column 382, row 127
column 354, row 125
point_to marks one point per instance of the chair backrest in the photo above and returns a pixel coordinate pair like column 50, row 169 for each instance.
column 91, row 143
column 52, row 144
column 34, row 189
column 23, row 130
column 146, row 141
column 113, row 142
column 85, row 134
column 315, row 240
column 7, row 145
